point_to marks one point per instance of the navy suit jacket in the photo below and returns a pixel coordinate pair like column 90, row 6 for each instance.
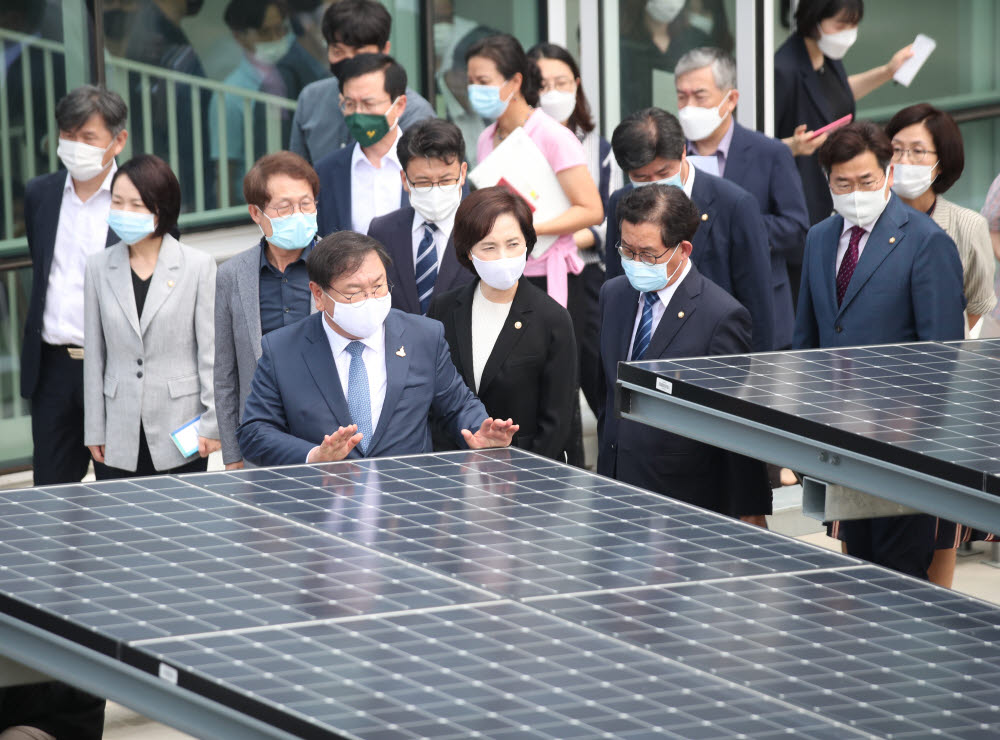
column 701, row 319
column 395, row 232
column 42, row 202
column 765, row 168
column 907, row 286
column 334, row 211
column 296, row 396
column 730, row 249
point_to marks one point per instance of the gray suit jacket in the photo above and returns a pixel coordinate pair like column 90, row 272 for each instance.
column 237, row 342
column 157, row 370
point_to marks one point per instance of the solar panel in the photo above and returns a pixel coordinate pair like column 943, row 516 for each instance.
column 491, row 594
column 930, row 407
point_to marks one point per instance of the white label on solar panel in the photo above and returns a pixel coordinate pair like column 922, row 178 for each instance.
column 664, row 385
column 168, row 673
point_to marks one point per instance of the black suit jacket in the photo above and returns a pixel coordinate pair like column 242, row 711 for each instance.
column 701, row 319
column 395, row 232
column 42, row 202
column 531, row 374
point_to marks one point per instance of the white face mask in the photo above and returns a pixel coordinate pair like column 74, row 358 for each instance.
column 83, row 161
column 362, row 319
column 835, row 45
column 912, row 180
column 559, row 104
column 862, row 207
column 700, row 123
column 436, row 204
column 444, row 31
column 501, row 274
column 269, row 52
column 664, row 11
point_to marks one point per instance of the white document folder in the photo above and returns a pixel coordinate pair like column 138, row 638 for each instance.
column 519, row 165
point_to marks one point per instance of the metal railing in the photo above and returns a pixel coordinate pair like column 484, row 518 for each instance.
column 15, row 418
column 184, row 96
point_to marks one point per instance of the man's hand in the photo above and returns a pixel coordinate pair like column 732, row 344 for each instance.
column 96, row 452
column 207, row 446
column 238, row 465
column 335, row 446
column 492, row 433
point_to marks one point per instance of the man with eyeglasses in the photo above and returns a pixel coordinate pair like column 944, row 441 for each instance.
column 361, row 182
column 877, row 272
column 359, row 379
column 418, row 237
column 664, row 307
column 265, row 287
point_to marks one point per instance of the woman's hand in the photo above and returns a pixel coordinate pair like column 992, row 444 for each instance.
column 96, row 452
column 802, row 143
column 207, row 446
column 897, row 60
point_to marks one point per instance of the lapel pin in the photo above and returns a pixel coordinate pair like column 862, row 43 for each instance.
column 170, row 283
column 517, row 324
column 704, row 217
column 892, row 240
column 401, row 352
column 680, row 314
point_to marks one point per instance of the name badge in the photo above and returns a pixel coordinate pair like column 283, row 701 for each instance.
column 186, row 437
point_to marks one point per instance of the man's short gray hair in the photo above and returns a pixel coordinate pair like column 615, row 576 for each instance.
column 80, row 104
column 722, row 63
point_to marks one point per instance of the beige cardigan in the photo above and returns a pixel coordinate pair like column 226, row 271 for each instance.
column 971, row 235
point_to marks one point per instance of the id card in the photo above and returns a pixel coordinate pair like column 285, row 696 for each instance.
column 186, row 437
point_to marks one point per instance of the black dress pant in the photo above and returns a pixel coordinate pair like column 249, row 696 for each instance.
column 583, row 296
column 903, row 543
column 58, row 709
column 144, row 465
column 59, row 455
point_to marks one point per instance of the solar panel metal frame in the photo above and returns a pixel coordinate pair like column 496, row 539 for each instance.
column 663, row 395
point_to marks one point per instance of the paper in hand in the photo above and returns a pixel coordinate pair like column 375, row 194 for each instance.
column 922, row 48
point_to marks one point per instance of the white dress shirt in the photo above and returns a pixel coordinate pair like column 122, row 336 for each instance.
column 660, row 307
column 441, row 236
column 688, row 187
column 845, row 241
column 82, row 231
column 374, row 191
column 488, row 319
column 374, row 357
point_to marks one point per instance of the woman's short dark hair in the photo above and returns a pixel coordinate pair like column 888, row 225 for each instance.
column 362, row 64
column 341, row 253
column 478, row 213
column 664, row 206
column 290, row 164
column 647, row 135
column 506, row 52
column 853, row 139
column 433, row 138
column 580, row 119
column 248, row 15
column 158, row 188
column 811, row 13
column 945, row 134
column 357, row 23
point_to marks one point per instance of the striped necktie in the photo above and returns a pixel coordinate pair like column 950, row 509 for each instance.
column 427, row 266
column 359, row 400
column 645, row 331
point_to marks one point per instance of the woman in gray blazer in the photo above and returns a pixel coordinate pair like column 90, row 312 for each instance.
column 149, row 343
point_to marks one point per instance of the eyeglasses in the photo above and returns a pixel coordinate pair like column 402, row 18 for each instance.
column 356, row 299
column 349, row 107
column 564, row 84
column 915, row 155
column 646, row 258
column 867, row 184
column 286, row 208
column 447, row 185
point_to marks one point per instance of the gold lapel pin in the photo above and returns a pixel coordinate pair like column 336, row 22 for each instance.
column 517, row 324
column 704, row 217
column 680, row 314
column 892, row 240
column 170, row 283
column 401, row 352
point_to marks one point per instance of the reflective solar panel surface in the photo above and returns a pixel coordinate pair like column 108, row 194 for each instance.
column 492, row 594
column 932, row 407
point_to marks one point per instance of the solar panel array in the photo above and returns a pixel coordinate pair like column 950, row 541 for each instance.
column 492, row 594
column 932, row 407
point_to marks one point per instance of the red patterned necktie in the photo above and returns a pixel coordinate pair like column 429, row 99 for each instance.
column 848, row 264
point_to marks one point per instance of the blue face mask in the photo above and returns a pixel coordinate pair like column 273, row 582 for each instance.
column 485, row 100
column 292, row 232
column 131, row 227
column 674, row 180
column 649, row 278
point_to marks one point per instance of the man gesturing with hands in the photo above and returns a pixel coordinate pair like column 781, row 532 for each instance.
column 357, row 378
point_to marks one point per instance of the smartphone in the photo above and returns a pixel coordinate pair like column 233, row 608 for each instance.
column 833, row 126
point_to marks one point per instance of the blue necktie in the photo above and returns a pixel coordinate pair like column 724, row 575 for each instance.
column 645, row 331
column 358, row 398
column 427, row 266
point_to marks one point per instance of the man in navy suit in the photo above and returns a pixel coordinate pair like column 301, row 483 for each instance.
column 418, row 237
column 357, row 378
column 707, row 96
column 877, row 272
column 664, row 307
column 360, row 182
column 730, row 246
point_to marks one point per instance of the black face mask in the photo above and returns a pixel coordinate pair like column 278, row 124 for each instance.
column 115, row 24
column 335, row 67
